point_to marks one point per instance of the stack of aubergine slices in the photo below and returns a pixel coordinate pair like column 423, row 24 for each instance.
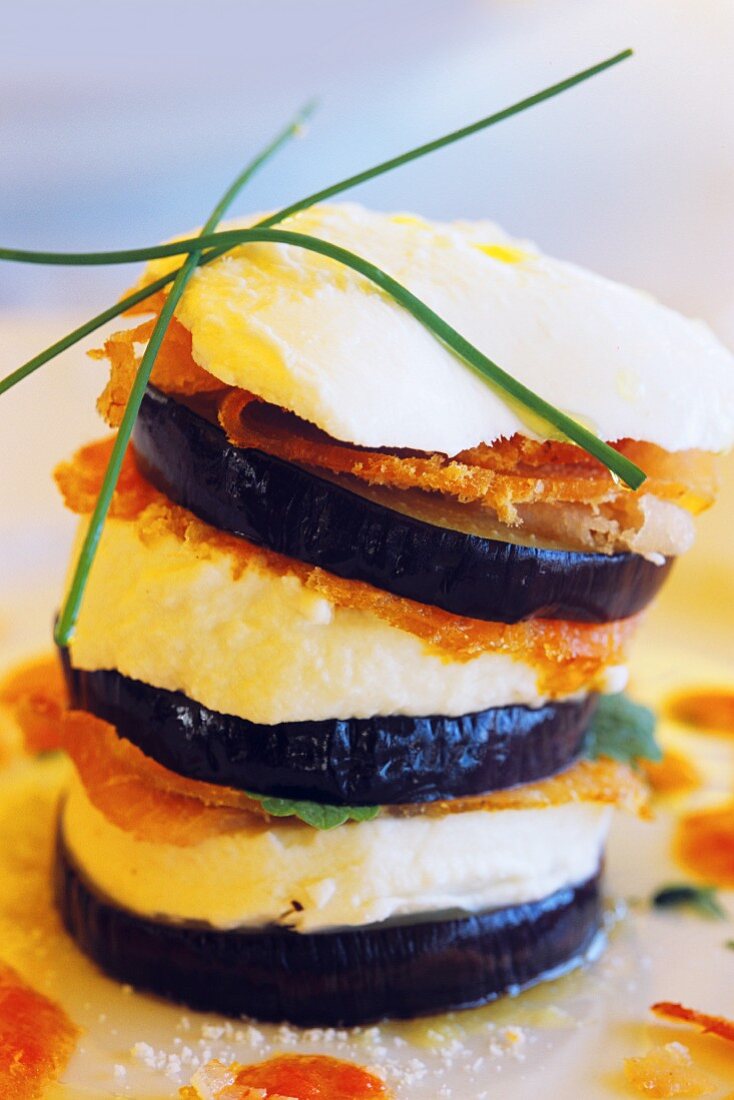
column 390, row 774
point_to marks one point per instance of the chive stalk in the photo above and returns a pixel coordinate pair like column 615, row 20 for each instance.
column 70, row 611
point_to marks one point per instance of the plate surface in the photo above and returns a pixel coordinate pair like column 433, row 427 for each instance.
column 567, row 1038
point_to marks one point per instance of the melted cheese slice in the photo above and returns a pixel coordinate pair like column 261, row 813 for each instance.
column 352, row 875
column 312, row 336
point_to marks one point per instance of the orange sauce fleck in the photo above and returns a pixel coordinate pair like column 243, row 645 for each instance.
column 704, row 844
column 674, row 774
column 36, row 1038
column 36, row 694
column 293, row 1077
column 711, row 1025
column 711, row 710
column 667, row 1071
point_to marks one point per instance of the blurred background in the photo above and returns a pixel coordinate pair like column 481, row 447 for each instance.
column 122, row 120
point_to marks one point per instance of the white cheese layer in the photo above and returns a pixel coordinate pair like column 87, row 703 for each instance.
column 352, row 875
column 264, row 647
column 312, row 336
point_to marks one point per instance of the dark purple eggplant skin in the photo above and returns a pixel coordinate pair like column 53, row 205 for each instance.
column 353, row 762
column 288, row 509
column 336, row 978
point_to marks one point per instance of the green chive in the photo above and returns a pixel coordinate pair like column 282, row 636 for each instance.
column 67, row 619
column 319, row 196
column 149, row 289
column 78, row 334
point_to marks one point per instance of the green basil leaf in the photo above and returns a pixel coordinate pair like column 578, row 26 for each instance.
column 316, row 814
column 687, row 895
column 622, row 730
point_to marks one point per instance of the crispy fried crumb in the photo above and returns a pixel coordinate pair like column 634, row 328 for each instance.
column 502, row 476
column 606, row 781
column 174, row 370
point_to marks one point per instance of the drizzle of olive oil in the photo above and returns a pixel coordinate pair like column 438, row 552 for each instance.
column 540, row 1006
column 507, row 253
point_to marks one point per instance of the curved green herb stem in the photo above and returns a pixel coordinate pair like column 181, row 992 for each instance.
column 79, row 333
column 70, row 611
column 140, row 295
column 500, row 380
column 233, row 238
column 319, row 196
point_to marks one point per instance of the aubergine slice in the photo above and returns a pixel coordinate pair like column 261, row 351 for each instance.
column 293, row 511
column 340, row 978
column 354, row 761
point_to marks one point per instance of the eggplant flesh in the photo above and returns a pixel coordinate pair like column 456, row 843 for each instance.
column 295, row 512
column 354, row 761
column 334, row 978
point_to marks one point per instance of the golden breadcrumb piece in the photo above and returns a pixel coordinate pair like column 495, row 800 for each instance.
column 174, row 371
column 502, row 476
column 605, row 781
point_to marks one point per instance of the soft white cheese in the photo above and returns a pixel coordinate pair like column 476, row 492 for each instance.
column 262, row 646
column 351, row 875
column 312, row 336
